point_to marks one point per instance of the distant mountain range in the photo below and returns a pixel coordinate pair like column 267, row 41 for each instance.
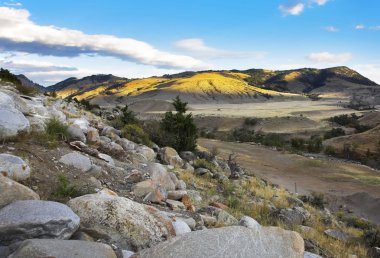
column 233, row 86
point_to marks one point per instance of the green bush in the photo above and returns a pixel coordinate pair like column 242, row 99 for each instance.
column 136, row 134
column 330, row 150
column 297, row 143
column 335, row 132
column 250, row 121
column 314, row 145
column 55, row 131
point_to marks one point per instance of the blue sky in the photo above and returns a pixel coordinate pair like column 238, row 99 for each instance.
column 52, row 40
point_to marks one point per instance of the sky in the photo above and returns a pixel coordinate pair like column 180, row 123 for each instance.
column 49, row 41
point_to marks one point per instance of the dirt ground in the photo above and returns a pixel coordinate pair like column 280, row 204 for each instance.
column 356, row 186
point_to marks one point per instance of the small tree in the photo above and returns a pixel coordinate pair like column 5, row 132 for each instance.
column 179, row 128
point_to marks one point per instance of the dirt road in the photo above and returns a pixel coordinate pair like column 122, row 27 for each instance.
column 355, row 185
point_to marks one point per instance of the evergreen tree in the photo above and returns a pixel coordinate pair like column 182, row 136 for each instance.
column 179, row 128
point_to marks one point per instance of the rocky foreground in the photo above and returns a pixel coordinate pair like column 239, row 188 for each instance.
column 131, row 200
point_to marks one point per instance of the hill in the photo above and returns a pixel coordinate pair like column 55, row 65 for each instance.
column 233, row 86
column 25, row 81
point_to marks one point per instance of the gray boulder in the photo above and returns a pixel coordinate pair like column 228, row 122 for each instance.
column 169, row 156
column 221, row 216
column 181, row 227
column 161, row 176
column 76, row 134
column 294, row 216
column 126, row 144
column 77, row 160
column 92, row 135
column 268, row 242
column 128, row 224
column 249, row 222
column 147, row 152
column 37, row 248
column 11, row 191
column 188, row 156
column 22, row 220
column 14, row 167
column 202, row 172
column 311, row 255
column 337, row 234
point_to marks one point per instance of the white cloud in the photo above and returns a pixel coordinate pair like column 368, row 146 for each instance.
column 19, row 33
column 331, row 29
column 198, row 48
column 371, row 71
column 360, row 27
column 326, row 57
column 25, row 66
column 13, row 3
column 375, row 27
column 296, row 7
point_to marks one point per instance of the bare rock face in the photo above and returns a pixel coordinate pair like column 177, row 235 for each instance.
column 22, row 220
column 231, row 242
column 37, row 248
column 11, row 191
column 14, row 167
column 126, row 223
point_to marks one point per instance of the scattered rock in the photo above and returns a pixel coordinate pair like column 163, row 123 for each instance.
column 11, row 191
column 109, row 131
column 147, row 152
column 126, row 144
column 176, row 195
column 160, row 176
column 249, row 222
column 221, row 216
column 294, row 216
column 194, row 196
column 143, row 188
column 181, row 227
column 311, row 255
column 175, row 205
column 170, row 156
column 337, row 234
column 22, row 220
column 37, row 248
column 76, row 134
column 126, row 223
column 159, row 195
column 188, row 167
column 202, row 171
column 107, row 158
column 127, row 254
column 14, row 167
column 188, row 156
column 113, row 149
column 93, row 136
column 77, row 160
column 295, row 201
column 181, row 185
column 268, row 242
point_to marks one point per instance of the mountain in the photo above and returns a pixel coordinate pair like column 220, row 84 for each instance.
column 25, row 81
column 232, row 86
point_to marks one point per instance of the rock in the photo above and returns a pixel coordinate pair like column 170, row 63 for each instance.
column 194, row 196
column 219, row 205
column 268, row 242
column 160, row 176
column 181, row 185
column 126, row 223
column 311, row 255
column 11, row 191
column 295, row 201
column 113, row 149
column 110, row 131
column 4, row 251
column 126, row 144
column 80, row 123
column 22, row 220
column 181, row 227
column 107, row 158
column 54, row 113
column 37, row 248
column 176, row 195
column 306, row 229
column 208, row 220
column 135, row 177
column 294, row 216
column 159, row 195
column 147, row 152
column 77, row 160
column 188, row 167
column 127, row 254
column 176, row 205
column 143, row 188
column 374, row 252
column 14, row 167
column 221, row 216
column 92, row 136
column 202, row 171
column 249, row 222
column 37, row 124
column 169, row 156
column 105, row 139
column 76, row 134
column 95, row 183
column 12, row 121
column 188, row 156
column 337, row 234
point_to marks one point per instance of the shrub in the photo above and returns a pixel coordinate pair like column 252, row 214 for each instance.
column 87, row 105
column 274, row 139
column 315, row 199
column 250, row 121
column 335, row 132
column 243, row 135
column 314, row 145
column 136, row 134
column 65, row 189
column 203, row 163
column 297, row 143
column 345, row 120
column 372, row 237
column 330, row 150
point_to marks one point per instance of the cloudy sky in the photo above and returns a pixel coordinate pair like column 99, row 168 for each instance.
column 49, row 41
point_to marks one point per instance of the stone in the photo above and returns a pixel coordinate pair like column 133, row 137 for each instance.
column 4, row 251
column 221, row 216
column 113, row 149
column 135, row 177
column 126, row 144
column 107, row 158
column 337, row 234
column 194, row 196
column 188, row 167
column 374, row 252
column 181, row 185
column 76, row 134
column 268, row 242
column 14, row 167
column 11, row 191
column 181, row 227
column 81, row 123
column 127, row 254
column 311, row 255
column 28, row 219
column 77, row 160
column 176, row 195
column 159, row 195
column 147, row 152
column 176, row 205
column 109, row 131
column 295, row 201
column 202, row 171
column 249, row 222
column 128, row 224
column 92, row 136
column 143, row 188
column 188, row 156
column 294, row 216
column 169, row 156
column 208, row 220
column 160, row 176
column 37, row 248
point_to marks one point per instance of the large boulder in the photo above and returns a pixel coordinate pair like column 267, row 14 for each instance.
column 268, row 242
column 22, row 220
column 160, row 176
column 112, row 148
column 76, row 133
column 77, row 160
column 37, row 248
column 11, row 191
column 169, row 156
column 81, row 123
column 14, row 167
column 249, row 222
column 294, row 216
column 128, row 224
column 147, row 152
column 92, row 135
column 126, row 144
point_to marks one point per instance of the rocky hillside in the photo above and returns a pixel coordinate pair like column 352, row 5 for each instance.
column 218, row 86
column 73, row 186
